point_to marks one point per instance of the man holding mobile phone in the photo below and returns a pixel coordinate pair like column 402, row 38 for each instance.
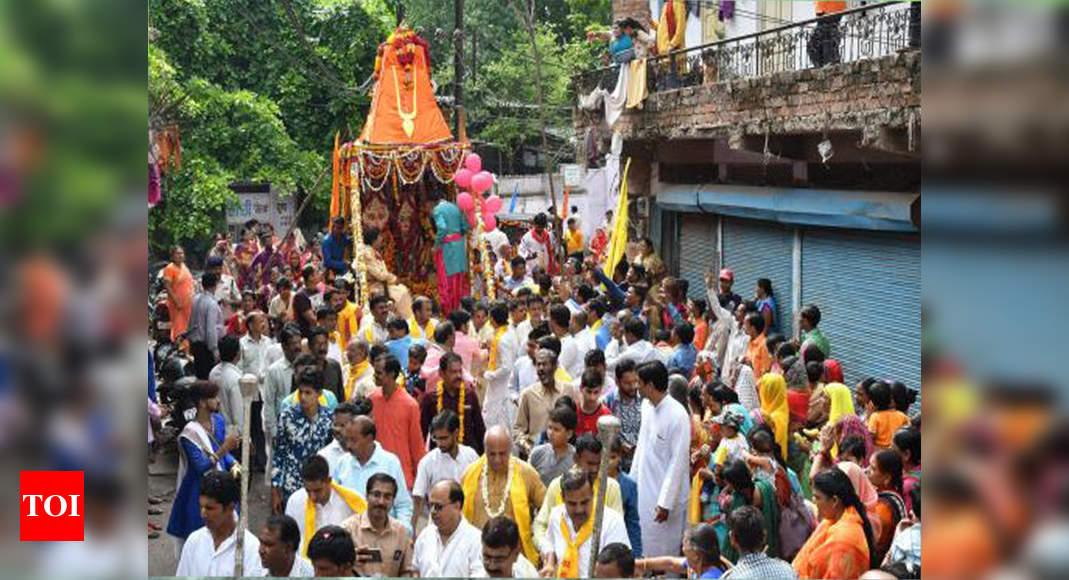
column 383, row 544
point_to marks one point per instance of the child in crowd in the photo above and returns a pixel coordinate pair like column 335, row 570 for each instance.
column 557, row 455
column 590, row 407
column 399, row 341
column 414, row 383
column 883, row 419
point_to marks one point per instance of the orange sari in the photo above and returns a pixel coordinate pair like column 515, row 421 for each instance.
column 835, row 549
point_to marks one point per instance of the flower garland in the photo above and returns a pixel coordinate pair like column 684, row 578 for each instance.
column 493, row 513
column 460, row 407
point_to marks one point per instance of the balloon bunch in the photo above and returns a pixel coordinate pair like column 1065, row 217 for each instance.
column 472, row 177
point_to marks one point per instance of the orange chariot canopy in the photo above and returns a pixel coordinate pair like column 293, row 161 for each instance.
column 403, row 109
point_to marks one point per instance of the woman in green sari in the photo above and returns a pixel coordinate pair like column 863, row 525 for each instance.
column 740, row 489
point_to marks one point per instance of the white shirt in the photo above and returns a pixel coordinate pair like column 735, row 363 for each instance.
column 333, row 453
column 523, row 330
column 522, row 568
column 436, row 466
column 302, row 568
column 495, row 239
column 534, row 251
column 201, row 558
column 585, row 340
column 640, row 351
column 254, row 355
column 497, row 387
column 277, row 386
column 523, row 375
column 613, row 530
column 571, row 359
column 461, row 557
column 231, row 405
column 333, row 513
column 661, row 467
column 378, row 333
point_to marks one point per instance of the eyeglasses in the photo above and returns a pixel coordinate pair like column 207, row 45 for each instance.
column 437, row 507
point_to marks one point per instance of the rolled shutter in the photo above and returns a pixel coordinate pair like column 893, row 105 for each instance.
column 697, row 250
column 867, row 286
column 755, row 249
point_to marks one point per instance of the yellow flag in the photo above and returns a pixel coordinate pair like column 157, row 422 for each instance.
column 335, row 202
column 618, row 241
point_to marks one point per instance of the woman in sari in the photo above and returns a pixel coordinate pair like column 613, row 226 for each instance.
column 885, row 474
column 907, row 443
column 203, row 446
column 772, row 389
column 842, row 546
column 741, row 489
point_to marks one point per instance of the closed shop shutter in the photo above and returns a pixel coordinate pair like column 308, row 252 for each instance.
column 867, row 286
column 756, row 249
column 697, row 250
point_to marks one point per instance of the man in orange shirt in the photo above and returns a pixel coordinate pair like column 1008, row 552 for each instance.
column 397, row 416
column 823, row 47
column 757, row 352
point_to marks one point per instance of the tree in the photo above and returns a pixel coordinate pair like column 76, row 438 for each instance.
column 266, row 84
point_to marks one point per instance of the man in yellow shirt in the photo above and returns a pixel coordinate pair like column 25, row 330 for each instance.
column 573, row 237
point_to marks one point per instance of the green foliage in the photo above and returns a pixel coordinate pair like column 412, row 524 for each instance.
column 264, row 94
column 259, row 96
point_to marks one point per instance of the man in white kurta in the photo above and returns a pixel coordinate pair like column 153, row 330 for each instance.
column 661, row 464
column 450, row 547
column 499, row 408
column 573, row 513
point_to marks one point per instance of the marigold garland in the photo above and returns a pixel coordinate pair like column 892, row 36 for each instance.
column 460, row 407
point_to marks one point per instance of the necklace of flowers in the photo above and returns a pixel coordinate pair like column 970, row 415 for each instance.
column 460, row 407
column 493, row 513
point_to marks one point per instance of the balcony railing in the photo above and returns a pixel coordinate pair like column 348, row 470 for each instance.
column 866, row 32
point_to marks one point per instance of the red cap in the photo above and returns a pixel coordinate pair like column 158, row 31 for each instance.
column 727, row 274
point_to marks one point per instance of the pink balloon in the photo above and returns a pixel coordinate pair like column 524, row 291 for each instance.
column 489, row 223
column 463, row 178
column 493, row 204
column 465, row 202
column 474, row 163
column 482, row 181
column 471, row 218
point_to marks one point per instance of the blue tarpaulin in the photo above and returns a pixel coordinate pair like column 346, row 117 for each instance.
column 865, row 210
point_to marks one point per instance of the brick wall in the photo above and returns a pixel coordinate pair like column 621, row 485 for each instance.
column 637, row 9
column 867, row 95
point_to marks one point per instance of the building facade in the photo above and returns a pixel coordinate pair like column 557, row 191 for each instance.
column 751, row 157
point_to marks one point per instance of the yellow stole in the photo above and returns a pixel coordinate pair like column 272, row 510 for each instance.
column 352, row 499
column 424, row 333
column 561, row 376
column 597, row 324
column 569, row 565
column 493, row 346
column 354, row 372
column 521, row 510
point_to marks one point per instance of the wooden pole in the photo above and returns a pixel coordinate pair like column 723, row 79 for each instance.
column 249, row 384
column 608, row 429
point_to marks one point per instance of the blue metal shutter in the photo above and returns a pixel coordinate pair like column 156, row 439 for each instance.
column 697, row 250
column 756, row 249
column 868, row 288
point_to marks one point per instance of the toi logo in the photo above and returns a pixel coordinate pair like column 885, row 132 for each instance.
column 51, row 506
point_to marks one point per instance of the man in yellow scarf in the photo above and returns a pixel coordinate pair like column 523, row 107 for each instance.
column 567, row 553
column 320, row 502
column 501, row 485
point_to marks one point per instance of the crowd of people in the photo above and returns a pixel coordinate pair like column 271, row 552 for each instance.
column 399, row 438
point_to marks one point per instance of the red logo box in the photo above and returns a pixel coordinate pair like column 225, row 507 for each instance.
column 51, row 506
